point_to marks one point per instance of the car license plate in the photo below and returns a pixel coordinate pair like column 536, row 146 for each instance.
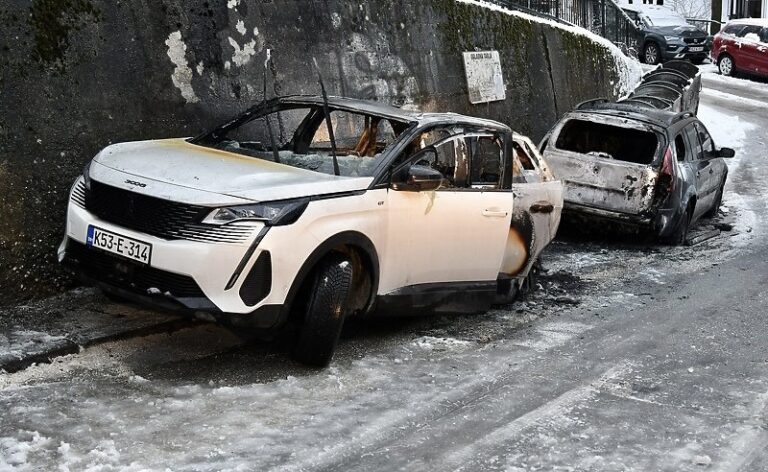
column 696, row 49
column 118, row 244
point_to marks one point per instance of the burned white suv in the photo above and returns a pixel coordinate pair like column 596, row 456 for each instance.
column 316, row 210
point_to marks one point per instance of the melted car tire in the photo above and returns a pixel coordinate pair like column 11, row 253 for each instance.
column 657, row 58
column 678, row 237
column 325, row 311
column 712, row 212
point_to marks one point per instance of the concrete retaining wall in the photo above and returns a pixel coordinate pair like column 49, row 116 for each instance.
column 76, row 75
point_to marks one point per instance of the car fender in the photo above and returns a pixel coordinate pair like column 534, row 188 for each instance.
column 349, row 238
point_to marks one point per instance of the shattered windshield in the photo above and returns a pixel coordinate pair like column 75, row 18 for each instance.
column 298, row 136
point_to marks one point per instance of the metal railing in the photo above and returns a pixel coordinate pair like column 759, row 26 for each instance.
column 602, row 17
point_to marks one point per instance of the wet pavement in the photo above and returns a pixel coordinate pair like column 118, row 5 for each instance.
column 628, row 356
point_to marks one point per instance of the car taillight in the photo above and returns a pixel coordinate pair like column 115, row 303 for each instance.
column 667, row 173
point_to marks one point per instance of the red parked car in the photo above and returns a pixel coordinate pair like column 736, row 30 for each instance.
column 742, row 46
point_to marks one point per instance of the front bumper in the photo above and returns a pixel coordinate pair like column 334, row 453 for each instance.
column 192, row 276
column 683, row 51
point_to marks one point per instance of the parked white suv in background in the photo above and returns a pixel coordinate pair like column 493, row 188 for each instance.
column 289, row 212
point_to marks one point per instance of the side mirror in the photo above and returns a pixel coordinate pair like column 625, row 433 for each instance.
column 416, row 178
column 726, row 152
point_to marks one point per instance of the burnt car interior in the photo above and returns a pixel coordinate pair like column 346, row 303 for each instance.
column 608, row 141
column 465, row 158
column 302, row 139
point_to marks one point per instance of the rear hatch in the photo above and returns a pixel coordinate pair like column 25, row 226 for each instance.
column 606, row 162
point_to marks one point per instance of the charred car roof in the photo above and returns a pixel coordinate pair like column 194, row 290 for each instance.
column 388, row 111
column 655, row 116
column 359, row 106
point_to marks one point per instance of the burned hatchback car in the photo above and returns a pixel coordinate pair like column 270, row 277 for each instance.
column 654, row 169
column 316, row 209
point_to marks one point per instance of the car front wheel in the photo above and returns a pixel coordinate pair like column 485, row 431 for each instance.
column 326, row 308
column 651, row 53
column 718, row 201
column 725, row 65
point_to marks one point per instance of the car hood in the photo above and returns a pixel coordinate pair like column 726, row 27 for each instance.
column 196, row 170
column 683, row 31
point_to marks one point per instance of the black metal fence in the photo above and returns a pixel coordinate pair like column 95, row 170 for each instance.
column 602, row 17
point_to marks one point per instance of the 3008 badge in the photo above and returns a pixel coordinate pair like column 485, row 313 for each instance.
column 119, row 244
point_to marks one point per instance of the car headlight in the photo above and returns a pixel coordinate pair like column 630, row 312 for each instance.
column 673, row 39
column 87, row 174
column 272, row 213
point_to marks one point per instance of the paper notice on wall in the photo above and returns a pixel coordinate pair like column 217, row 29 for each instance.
column 484, row 79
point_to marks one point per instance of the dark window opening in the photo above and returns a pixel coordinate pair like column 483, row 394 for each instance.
column 680, row 148
column 707, row 145
column 486, row 154
column 301, row 139
column 608, row 141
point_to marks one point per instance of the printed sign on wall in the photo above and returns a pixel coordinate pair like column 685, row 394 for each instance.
column 484, row 80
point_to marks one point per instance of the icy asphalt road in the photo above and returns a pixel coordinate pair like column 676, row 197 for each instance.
column 631, row 357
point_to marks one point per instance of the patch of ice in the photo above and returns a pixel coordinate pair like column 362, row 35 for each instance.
column 431, row 343
column 19, row 342
column 15, row 452
column 653, row 275
column 552, row 335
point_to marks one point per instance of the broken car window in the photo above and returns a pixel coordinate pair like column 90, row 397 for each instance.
column 525, row 159
column 451, row 156
column 487, row 159
column 707, row 145
column 301, row 139
column 693, row 139
column 529, row 171
column 608, row 141
column 680, row 148
column 358, row 135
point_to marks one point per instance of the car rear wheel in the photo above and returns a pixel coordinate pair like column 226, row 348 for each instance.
column 325, row 311
column 651, row 53
column 678, row 237
column 725, row 65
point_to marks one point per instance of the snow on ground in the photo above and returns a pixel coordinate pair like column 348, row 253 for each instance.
column 728, row 129
column 629, row 69
column 20, row 342
column 711, row 72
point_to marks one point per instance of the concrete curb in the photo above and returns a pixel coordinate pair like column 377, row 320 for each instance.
column 74, row 343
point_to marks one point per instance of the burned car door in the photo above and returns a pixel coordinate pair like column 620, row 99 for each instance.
column 537, row 210
column 458, row 232
column 708, row 170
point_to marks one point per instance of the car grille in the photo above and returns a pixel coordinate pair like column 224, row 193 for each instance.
column 129, row 275
column 695, row 40
column 154, row 216
column 78, row 193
